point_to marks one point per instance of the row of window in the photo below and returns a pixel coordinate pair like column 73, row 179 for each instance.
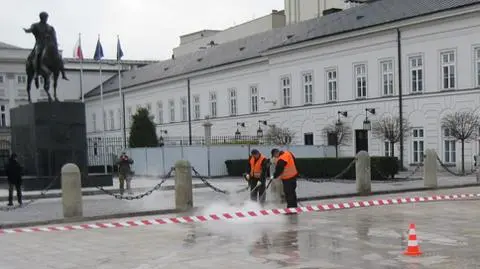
column 21, row 79
column 21, row 91
column 418, row 146
column 387, row 81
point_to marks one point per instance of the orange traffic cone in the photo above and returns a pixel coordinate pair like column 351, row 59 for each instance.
column 413, row 249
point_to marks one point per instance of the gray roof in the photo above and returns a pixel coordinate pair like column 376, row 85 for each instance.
column 111, row 61
column 374, row 13
column 8, row 46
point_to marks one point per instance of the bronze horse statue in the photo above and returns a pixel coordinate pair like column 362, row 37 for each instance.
column 50, row 65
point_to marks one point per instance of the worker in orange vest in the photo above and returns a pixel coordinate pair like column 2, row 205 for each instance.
column 257, row 171
column 286, row 170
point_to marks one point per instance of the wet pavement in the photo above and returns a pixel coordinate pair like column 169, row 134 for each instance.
column 101, row 205
column 365, row 238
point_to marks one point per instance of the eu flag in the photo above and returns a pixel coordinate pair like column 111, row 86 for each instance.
column 119, row 50
column 98, row 51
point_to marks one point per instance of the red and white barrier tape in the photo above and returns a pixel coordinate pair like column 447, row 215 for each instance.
column 243, row 214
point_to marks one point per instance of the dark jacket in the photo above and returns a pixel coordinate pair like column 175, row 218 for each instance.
column 280, row 166
column 14, row 172
column 124, row 165
column 265, row 168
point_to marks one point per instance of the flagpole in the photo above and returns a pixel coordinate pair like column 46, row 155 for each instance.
column 103, row 119
column 81, row 68
column 103, row 112
column 121, row 96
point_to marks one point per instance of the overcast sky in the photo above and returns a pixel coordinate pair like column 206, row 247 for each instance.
column 148, row 29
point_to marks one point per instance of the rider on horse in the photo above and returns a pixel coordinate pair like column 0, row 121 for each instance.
column 41, row 30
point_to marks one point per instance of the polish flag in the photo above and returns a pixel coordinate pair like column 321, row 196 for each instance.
column 77, row 52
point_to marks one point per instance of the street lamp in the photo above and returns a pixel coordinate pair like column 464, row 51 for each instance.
column 367, row 125
column 161, row 140
column 341, row 113
column 237, row 133
column 260, row 131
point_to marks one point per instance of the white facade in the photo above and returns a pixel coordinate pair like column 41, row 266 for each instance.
column 330, row 69
column 201, row 40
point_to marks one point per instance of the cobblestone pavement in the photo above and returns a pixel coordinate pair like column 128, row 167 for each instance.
column 49, row 209
column 366, row 238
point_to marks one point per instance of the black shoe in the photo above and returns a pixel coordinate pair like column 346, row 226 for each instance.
column 10, row 204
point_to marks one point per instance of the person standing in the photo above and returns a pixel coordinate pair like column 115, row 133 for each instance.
column 14, row 177
column 286, row 170
column 257, row 172
column 124, row 172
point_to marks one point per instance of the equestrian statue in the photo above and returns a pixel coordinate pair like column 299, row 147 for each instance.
column 44, row 60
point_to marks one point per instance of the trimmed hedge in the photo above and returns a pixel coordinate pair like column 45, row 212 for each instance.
column 328, row 167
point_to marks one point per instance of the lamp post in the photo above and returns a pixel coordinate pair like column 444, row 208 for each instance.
column 260, row 131
column 367, row 125
column 238, row 134
column 161, row 143
column 207, row 125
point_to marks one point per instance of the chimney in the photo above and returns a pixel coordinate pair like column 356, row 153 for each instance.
column 331, row 11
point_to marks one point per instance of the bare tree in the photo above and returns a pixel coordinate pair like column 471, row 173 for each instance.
column 462, row 126
column 338, row 134
column 279, row 136
column 388, row 128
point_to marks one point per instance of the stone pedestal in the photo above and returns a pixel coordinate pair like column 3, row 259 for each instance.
column 48, row 135
column 430, row 169
column 183, row 186
column 71, row 191
column 363, row 173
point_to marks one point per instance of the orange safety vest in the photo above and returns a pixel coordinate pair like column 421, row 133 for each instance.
column 290, row 170
column 256, row 166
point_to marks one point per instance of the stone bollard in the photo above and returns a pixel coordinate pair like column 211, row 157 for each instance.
column 363, row 175
column 430, row 169
column 71, row 191
column 183, row 186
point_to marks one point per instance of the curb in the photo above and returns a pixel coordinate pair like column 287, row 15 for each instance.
column 92, row 218
column 172, row 211
column 93, row 192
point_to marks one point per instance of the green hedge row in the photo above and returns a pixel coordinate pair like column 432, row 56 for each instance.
column 381, row 167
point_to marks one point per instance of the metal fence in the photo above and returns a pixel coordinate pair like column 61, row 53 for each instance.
column 208, row 160
column 5, row 149
column 214, row 140
column 103, row 151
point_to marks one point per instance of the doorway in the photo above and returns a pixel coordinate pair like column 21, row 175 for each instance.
column 361, row 140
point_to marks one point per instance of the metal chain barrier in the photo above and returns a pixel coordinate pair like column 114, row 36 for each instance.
column 333, row 179
column 208, row 184
column 453, row 172
column 139, row 196
column 416, row 170
column 387, row 178
column 42, row 194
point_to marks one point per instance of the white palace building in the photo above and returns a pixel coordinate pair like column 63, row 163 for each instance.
column 301, row 75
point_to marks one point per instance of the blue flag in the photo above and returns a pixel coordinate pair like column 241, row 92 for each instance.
column 119, row 50
column 98, row 51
